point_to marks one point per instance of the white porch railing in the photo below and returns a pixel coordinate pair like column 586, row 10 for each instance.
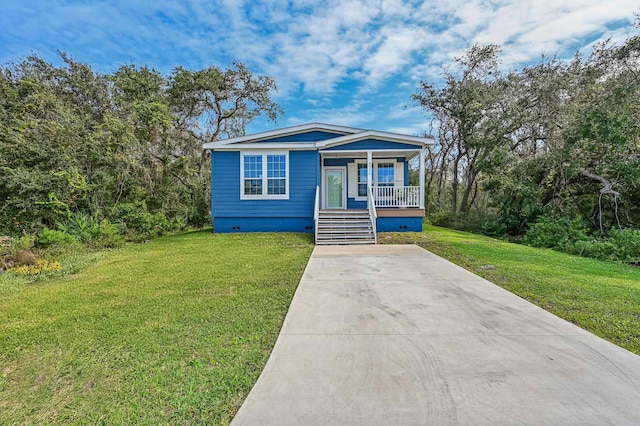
column 396, row 196
column 316, row 213
column 373, row 215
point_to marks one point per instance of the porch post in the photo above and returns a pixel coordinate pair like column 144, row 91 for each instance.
column 369, row 175
column 422, row 157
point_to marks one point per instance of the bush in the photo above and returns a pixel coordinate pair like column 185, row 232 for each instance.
column 139, row 224
column 49, row 237
column 627, row 243
column 82, row 226
column 558, row 233
column 108, row 236
column 621, row 246
column 90, row 231
column 444, row 218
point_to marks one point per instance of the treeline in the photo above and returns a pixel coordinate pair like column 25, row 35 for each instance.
column 550, row 150
column 84, row 152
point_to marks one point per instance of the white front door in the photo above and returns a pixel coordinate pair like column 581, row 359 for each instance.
column 335, row 188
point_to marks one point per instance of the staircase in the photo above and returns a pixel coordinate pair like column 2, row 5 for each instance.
column 345, row 227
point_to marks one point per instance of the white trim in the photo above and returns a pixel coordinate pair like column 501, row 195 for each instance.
column 285, row 131
column 343, row 169
column 327, row 154
column 289, row 146
column 375, row 134
column 264, row 195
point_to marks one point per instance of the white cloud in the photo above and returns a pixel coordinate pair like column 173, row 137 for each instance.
column 324, row 52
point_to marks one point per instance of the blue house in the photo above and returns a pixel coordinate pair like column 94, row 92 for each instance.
column 342, row 183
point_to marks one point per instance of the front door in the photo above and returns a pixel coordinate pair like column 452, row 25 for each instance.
column 335, row 184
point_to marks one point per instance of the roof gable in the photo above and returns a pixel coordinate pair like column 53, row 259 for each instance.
column 371, row 144
column 318, row 136
column 309, row 133
column 310, row 136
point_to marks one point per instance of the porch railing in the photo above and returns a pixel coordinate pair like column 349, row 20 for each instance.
column 373, row 215
column 316, row 214
column 396, row 196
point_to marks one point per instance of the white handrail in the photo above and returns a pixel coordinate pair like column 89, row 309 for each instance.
column 372, row 214
column 316, row 213
column 396, row 196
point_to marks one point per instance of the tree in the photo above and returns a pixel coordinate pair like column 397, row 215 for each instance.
column 106, row 145
column 556, row 137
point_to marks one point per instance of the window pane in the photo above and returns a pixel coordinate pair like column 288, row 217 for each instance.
column 276, row 166
column 252, row 167
column 253, row 186
column 385, row 174
column 362, row 190
column 276, row 186
column 362, row 173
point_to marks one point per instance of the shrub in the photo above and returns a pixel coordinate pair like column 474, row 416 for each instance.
column 444, row 218
column 24, row 257
column 88, row 230
column 627, row 243
column 621, row 246
column 38, row 267
column 139, row 224
column 559, row 233
column 25, row 242
column 82, row 226
column 49, row 237
column 108, row 236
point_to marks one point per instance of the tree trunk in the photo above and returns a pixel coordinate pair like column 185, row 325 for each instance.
column 471, row 180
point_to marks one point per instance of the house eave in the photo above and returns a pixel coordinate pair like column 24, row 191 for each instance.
column 287, row 131
column 289, row 146
column 374, row 134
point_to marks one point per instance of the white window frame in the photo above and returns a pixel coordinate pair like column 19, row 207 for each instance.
column 374, row 173
column 265, row 179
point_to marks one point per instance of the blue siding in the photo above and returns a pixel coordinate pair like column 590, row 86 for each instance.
column 304, row 173
column 337, row 161
column 406, row 173
column 372, row 144
column 263, row 224
column 313, row 136
column 352, row 203
column 399, row 224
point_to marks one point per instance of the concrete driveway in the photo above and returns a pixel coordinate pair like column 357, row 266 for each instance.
column 386, row 335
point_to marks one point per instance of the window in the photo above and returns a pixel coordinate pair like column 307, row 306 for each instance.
column 362, row 180
column 276, row 174
column 385, row 174
column 252, row 175
column 264, row 176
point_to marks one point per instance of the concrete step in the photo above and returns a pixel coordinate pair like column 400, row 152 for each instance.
column 344, row 242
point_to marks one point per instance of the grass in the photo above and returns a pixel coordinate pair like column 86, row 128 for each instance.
column 601, row 297
column 173, row 331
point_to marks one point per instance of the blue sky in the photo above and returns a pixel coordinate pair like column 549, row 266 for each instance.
column 350, row 62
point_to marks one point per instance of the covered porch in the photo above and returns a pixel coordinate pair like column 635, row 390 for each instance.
column 362, row 192
column 376, row 179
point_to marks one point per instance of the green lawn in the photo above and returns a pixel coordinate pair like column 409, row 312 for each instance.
column 176, row 330
column 601, row 297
